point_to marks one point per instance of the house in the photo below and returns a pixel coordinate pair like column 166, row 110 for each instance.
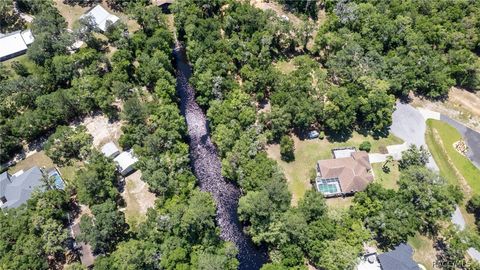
column 125, row 162
column 348, row 172
column 163, row 4
column 399, row 258
column 16, row 189
column 14, row 44
column 101, row 17
column 110, row 150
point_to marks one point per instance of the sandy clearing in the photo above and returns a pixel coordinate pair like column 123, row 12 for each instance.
column 136, row 194
column 101, row 129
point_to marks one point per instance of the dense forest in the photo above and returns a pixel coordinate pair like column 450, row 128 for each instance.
column 366, row 54
column 180, row 232
column 232, row 49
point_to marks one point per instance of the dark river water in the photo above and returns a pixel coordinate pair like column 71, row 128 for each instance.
column 207, row 168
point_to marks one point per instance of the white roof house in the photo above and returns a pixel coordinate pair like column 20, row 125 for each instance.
column 15, row 44
column 110, row 150
column 101, row 17
column 125, row 162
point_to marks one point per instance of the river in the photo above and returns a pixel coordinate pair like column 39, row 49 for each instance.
column 206, row 166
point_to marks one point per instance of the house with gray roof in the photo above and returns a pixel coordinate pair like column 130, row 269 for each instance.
column 399, row 258
column 16, row 189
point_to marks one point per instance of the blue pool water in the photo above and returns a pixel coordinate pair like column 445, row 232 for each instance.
column 58, row 180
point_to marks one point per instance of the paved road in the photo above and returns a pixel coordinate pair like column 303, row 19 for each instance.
column 409, row 125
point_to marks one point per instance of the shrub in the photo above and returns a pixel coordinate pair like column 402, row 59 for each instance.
column 365, row 146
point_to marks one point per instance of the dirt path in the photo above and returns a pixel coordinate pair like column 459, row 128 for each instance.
column 461, row 105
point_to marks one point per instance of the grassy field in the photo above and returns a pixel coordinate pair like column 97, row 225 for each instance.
column 455, row 167
column 387, row 180
column 40, row 160
column 308, row 152
column 424, row 252
column 23, row 59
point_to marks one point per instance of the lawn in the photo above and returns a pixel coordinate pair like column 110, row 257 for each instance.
column 308, row 152
column 387, row 179
column 41, row 160
column 424, row 252
column 455, row 167
column 23, row 59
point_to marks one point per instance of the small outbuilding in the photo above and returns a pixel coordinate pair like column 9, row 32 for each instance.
column 101, row 17
column 14, row 44
column 110, row 150
column 125, row 162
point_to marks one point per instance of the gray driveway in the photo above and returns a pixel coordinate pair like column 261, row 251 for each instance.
column 409, row 125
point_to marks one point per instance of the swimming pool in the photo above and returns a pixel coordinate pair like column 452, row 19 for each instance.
column 58, row 179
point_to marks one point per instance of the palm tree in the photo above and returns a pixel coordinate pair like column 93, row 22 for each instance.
column 48, row 181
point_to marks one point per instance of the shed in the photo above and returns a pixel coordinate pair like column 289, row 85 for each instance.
column 15, row 44
column 101, row 17
column 125, row 162
column 110, row 150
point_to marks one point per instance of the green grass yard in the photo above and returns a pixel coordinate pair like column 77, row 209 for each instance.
column 453, row 166
column 424, row 252
column 40, row 159
column 387, row 179
column 308, row 152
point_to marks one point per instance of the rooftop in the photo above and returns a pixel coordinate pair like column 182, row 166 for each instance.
column 16, row 189
column 352, row 173
column 399, row 258
column 101, row 17
column 110, row 150
column 125, row 161
column 15, row 42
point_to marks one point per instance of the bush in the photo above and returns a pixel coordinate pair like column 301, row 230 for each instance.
column 287, row 148
column 322, row 135
column 365, row 146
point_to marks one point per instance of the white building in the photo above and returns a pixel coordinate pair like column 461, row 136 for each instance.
column 101, row 17
column 125, row 162
column 110, row 150
column 14, row 44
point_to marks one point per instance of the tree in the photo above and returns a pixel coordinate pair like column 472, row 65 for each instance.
column 414, row 156
column 365, row 146
column 51, row 38
column 135, row 254
column 105, row 228
column 96, row 183
column 287, row 148
column 68, row 143
column 337, row 255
